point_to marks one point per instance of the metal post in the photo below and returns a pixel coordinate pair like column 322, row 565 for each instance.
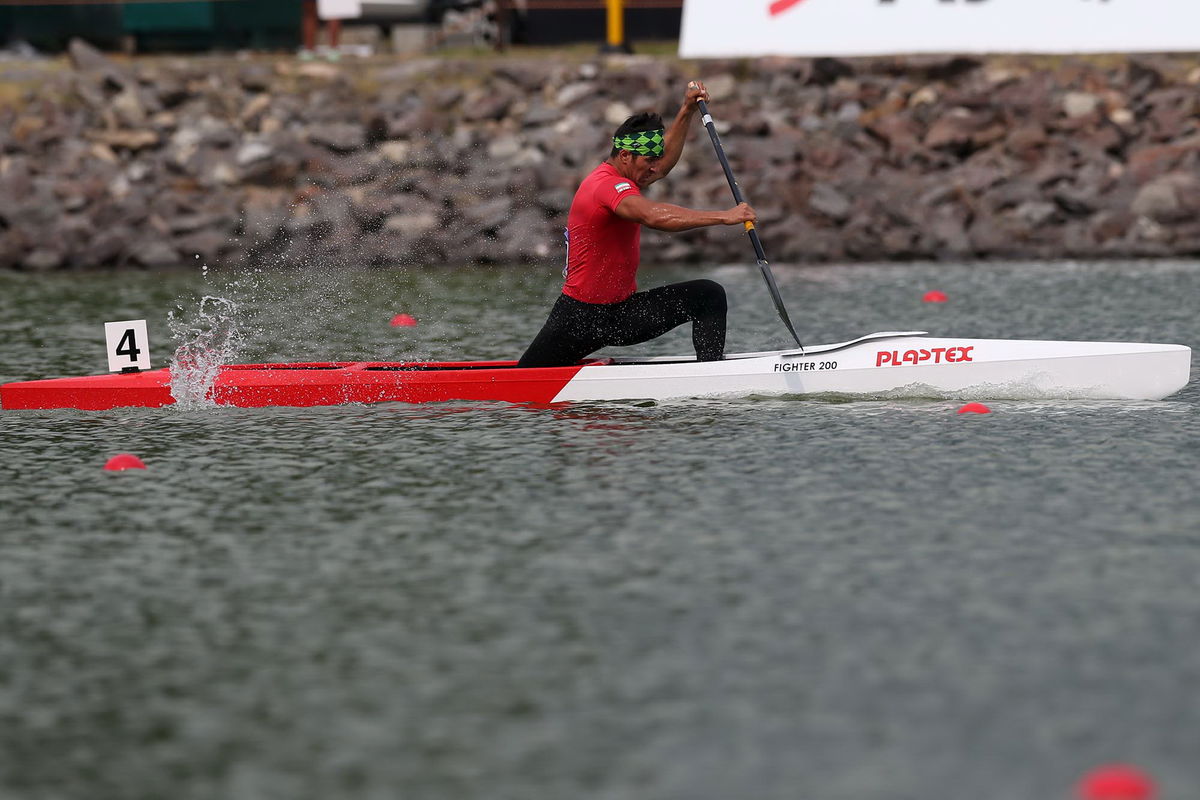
column 503, row 25
column 615, row 42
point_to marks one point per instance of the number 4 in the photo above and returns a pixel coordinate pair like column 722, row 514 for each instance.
column 132, row 349
column 127, row 345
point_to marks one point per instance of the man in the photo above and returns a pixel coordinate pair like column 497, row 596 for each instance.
column 330, row 11
column 600, row 305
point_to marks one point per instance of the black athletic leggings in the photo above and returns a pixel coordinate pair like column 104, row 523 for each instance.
column 576, row 329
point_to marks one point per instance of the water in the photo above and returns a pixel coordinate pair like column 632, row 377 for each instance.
column 753, row 599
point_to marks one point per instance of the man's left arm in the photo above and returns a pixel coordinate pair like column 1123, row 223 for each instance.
column 676, row 135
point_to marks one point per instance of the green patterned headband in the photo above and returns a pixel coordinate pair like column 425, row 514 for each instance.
column 642, row 143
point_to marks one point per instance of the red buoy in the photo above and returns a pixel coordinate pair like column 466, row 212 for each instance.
column 404, row 321
column 974, row 408
column 1116, row 782
column 122, row 462
column 934, row 296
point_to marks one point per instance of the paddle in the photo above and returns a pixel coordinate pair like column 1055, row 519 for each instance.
column 763, row 266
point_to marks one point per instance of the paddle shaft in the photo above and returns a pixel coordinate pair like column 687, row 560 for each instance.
column 763, row 264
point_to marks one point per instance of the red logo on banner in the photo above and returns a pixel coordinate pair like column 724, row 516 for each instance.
column 780, row 6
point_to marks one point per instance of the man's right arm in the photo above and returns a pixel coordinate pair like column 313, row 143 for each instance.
column 667, row 217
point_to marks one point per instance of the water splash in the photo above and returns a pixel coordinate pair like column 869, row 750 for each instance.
column 205, row 344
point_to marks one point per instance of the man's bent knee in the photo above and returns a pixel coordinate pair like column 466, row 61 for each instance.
column 711, row 296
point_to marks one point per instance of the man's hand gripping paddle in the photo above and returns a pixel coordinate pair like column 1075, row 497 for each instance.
column 763, row 266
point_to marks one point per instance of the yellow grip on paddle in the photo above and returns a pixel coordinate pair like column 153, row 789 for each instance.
column 749, row 227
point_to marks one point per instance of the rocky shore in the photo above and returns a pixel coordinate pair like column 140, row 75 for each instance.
column 150, row 163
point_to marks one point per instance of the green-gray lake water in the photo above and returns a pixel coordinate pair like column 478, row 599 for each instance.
column 762, row 599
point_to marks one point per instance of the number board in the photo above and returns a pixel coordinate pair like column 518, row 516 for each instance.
column 128, row 345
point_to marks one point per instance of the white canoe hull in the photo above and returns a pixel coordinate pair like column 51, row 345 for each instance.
column 903, row 364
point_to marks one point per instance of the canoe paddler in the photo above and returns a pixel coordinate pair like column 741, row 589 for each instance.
column 600, row 305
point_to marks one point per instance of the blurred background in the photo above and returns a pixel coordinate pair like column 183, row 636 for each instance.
column 246, row 132
column 148, row 26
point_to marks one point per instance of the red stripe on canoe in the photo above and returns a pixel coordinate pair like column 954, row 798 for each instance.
column 315, row 384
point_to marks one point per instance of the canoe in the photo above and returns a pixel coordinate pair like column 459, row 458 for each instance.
column 886, row 364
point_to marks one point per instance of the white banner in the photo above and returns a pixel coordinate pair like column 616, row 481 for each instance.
column 748, row 28
column 339, row 9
